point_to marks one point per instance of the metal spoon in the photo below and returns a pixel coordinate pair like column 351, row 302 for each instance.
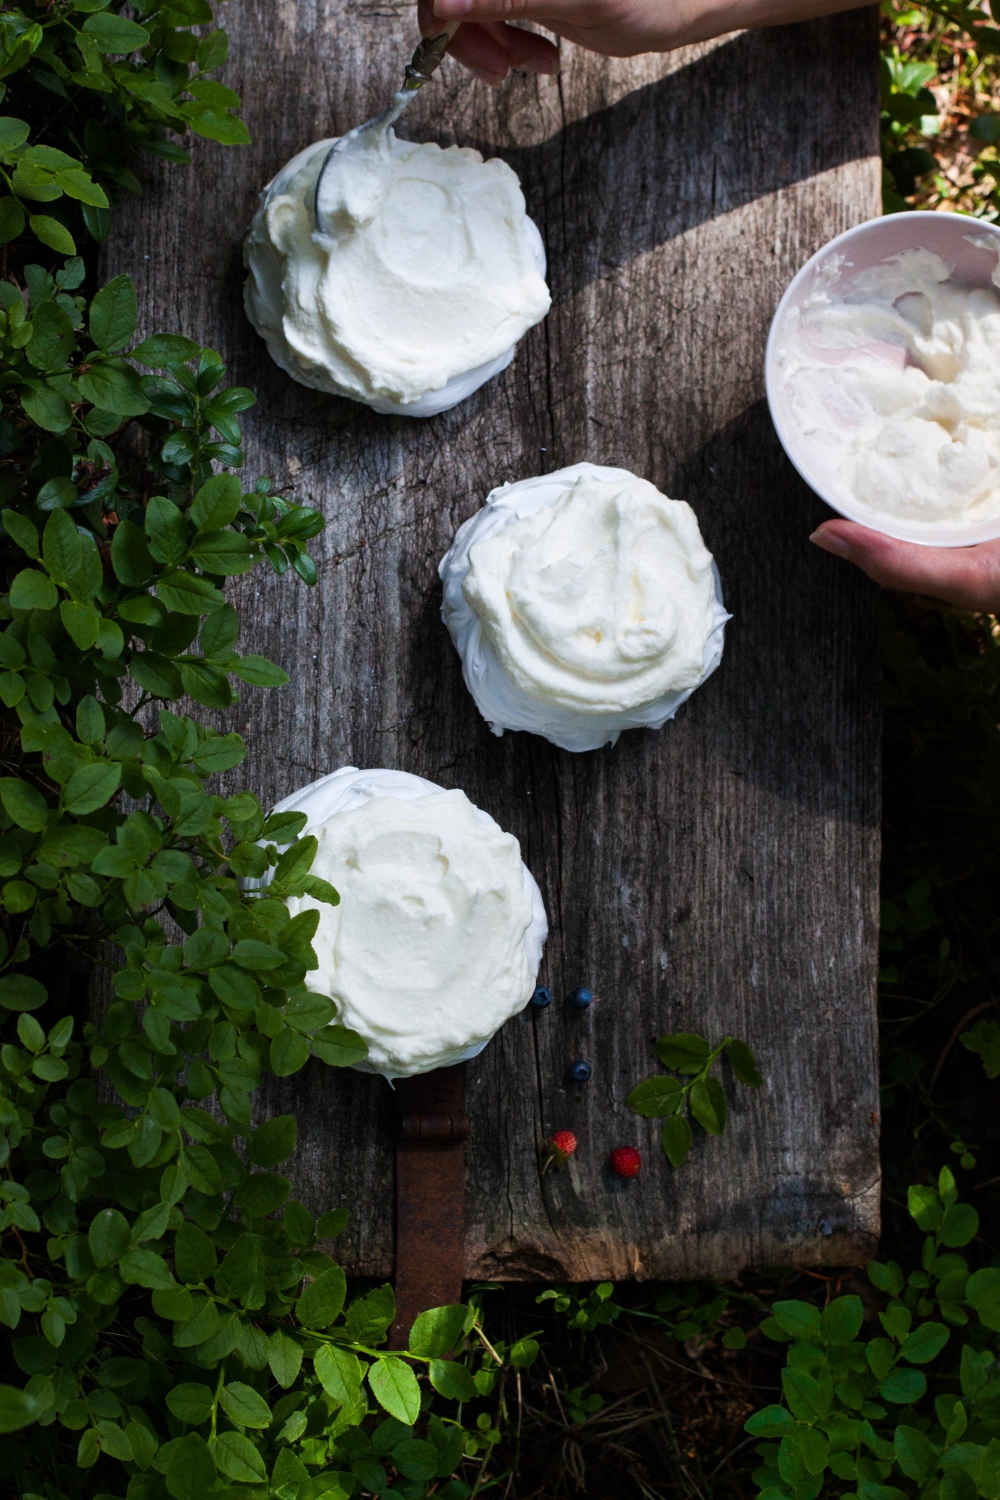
column 419, row 70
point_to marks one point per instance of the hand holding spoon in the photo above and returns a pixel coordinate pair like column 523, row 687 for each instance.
column 419, row 70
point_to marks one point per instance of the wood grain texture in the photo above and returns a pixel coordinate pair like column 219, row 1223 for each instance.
column 718, row 876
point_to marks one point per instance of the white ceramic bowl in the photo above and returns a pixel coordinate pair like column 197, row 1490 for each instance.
column 949, row 235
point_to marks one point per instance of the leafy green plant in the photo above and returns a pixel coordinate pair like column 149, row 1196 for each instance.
column 702, row 1095
column 916, row 1403
column 89, row 89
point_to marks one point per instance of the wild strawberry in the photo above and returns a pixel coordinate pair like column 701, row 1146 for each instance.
column 626, row 1161
column 558, row 1149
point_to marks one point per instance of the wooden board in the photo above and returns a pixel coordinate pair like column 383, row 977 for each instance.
column 719, row 876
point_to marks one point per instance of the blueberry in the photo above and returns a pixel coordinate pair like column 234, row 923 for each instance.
column 581, row 997
column 580, row 1071
column 542, row 996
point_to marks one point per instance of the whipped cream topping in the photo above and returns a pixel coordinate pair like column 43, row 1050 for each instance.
column 582, row 603
column 439, row 932
column 426, row 277
column 893, row 385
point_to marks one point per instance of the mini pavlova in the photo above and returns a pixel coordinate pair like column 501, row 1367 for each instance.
column 439, row 932
column 582, row 603
column 408, row 284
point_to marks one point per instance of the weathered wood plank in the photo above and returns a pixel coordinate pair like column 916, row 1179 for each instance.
column 719, row 876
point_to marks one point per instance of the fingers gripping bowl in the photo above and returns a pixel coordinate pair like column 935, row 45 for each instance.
column 883, row 376
column 439, row 932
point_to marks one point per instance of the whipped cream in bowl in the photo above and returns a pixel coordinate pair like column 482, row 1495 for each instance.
column 582, row 603
column 428, row 273
column 438, row 936
column 883, row 376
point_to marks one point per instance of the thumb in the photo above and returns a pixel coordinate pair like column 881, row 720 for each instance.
column 968, row 577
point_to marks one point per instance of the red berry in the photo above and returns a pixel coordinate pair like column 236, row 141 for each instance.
column 563, row 1143
column 626, row 1161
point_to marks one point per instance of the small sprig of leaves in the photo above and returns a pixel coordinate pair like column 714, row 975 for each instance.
column 700, row 1094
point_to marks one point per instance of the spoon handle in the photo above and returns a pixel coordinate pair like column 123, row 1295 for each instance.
column 427, row 58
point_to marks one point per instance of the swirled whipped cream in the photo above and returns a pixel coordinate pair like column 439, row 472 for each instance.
column 439, row 932
column 426, row 277
column 582, row 603
column 894, row 386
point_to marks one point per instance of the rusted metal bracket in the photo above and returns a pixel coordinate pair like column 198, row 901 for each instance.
column 430, row 1195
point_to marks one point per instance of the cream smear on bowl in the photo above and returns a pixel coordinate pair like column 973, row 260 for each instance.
column 430, row 272
column 439, row 932
column 582, row 603
column 888, row 379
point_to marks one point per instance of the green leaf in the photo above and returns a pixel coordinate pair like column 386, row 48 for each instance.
column 394, row 1386
column 189, row 594
column 52, row 338
column 744, row 1064
column 452, row 1381
column 164, row 349
column 52, row 233
column 415, row 1458
column 676, row 1139
column 903, row 1387
column 12, row 220
column 262, row 1193
column 108, row 1236
column 190, row 1402
column 24, row 803
column 683, row 1052
column 804, row 1395
column 114, row 315
column 47, row 408
column 33, row 590
column 438, row 1331
column 114, row 34
column 914, row 1454
column 130, row 555
column 260, row 672
column 339, row 1047
column 194, row 1254
column 925, row 1343
column 114, row 387
column 284, row 1356
column 274, row 1141
column 187, row 1466
column 166, row 530
column 81, row 623
column 91, row 787
column 17, row 1409
column 322, row 1300
column 770, row 1422
column 924, row 1206
column 841, row 1320
column 216, row 502
column 800, row 1319
column 145, row 1268
column 242, row 1403
column 340, row 1373
column 707, row 1102
column 289, row 1052
column 20, row 992
column 227, row 129
column 237, row 1457
column 656, row 1097
column 959, row 1226
column 243, row 1272
column 224, row 553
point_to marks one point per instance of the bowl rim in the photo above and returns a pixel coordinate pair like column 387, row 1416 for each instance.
column 956, row 536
